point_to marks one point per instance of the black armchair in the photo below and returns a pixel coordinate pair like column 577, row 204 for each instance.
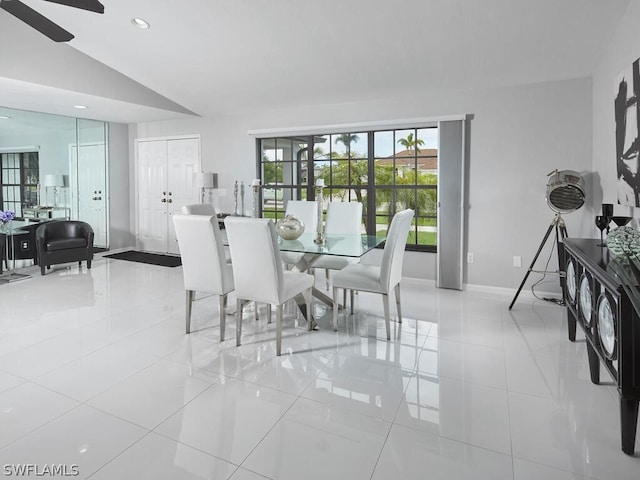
column 64, row 241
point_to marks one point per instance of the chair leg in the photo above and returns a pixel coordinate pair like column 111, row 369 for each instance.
column 223, row 316
column 307, row 301
column 268, row 313
column 335, row 309
column 238, row 321
column 89, row 264
column 352, row 298
column 256, row 313
column 188, row 305
column 398, row 303
column 326, row 277
column 278, row 329
column 387, row 321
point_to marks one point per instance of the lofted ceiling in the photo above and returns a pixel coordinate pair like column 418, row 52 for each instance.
column 223, row 57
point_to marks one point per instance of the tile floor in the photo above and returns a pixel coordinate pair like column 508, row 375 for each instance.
column 97, row 374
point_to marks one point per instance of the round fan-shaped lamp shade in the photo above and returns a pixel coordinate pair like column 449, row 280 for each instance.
column 565, row 191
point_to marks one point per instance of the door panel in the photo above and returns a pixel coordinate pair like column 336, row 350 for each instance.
column 165, row 184
column 89, row 198
column 183, row 157
column 152, row 180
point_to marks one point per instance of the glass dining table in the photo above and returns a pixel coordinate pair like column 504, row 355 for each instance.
column 341, row 245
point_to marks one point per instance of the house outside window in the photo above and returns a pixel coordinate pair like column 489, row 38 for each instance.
column 386, row 170
column 19, row 177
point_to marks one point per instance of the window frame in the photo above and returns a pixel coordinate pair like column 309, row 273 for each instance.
column 300, row 191
column 26, row 189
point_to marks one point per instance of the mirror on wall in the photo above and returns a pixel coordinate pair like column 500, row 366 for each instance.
column 54, row 167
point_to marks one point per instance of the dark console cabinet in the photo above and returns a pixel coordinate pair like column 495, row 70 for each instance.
column 597, row 302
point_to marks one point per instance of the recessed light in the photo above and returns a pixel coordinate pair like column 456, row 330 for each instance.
column 80, row 106
column 140, row 23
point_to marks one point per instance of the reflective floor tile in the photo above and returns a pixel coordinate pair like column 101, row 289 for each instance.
column 155, row 457
column 27, row 407
column 84, row 437
column 320, row 442
column 570, row 436
column 96, row 372
column 149, row 397
column 412, row 454
column 228, row 419
column 364, row 385
column 463, row 361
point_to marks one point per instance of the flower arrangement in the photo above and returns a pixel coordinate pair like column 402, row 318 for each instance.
column 624, row 241
column 6, row 216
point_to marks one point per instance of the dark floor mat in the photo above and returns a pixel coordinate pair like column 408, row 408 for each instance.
column 150, row 258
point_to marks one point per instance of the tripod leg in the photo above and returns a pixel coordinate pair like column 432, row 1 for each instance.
column 544, row 240
column 561, row 257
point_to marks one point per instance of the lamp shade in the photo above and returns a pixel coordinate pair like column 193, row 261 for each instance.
column 53, row 180
column 206, row 179
column 565, row 191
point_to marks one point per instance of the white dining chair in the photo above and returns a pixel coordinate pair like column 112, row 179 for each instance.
column 199, row 209
column 342, row 218
column 258, row 271
column 203, row 262
column 307, row 212
column 378, row 278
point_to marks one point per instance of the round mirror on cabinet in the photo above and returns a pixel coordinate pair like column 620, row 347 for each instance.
column 571, row 285
column 586, row 299
column 606, row 322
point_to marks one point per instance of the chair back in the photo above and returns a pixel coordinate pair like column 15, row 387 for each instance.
column 393, row 255
column 255, row 258
column 199, row 209
column 344, row 217
column 202, row 252
column 306, row 211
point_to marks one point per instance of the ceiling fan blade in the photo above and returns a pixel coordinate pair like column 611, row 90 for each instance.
column 90, row 5
column 32, row 18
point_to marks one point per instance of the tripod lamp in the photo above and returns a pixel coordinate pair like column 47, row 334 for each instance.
column 55, row 181
column 205, row 181
column 565, row 194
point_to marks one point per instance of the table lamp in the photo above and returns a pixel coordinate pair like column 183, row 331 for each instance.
column 54, row 180
column 206, row 181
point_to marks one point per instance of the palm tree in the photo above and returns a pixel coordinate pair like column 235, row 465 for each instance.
column 346, row 139
column 411, row 143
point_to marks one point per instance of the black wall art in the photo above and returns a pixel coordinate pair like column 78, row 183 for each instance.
column 627, row 116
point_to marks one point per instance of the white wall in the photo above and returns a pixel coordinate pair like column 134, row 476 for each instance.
column 120, row 233
column 622, row 50
column 517, row 135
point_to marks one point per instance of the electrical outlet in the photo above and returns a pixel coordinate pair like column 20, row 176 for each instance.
column 469, row 257
column 517, row 261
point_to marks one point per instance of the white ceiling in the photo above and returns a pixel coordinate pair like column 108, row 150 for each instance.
column 222, row 57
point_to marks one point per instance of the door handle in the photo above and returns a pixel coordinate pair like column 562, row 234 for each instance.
column 163, row 200
column 169, row 201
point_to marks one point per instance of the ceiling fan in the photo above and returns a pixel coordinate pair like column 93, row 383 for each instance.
column 41, row 23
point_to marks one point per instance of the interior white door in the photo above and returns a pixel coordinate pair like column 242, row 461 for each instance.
column 152, row 186
column 183, row 160
column 92, row 195
column 88, row 174
column 165, row 183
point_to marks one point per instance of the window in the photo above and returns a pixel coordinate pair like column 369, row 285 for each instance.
column 19, row 177
column 386, row 170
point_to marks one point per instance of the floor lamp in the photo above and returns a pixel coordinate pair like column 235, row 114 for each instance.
column 565, row 194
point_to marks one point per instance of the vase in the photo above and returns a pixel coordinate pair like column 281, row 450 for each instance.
column 289, row 227
column 5, row 227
